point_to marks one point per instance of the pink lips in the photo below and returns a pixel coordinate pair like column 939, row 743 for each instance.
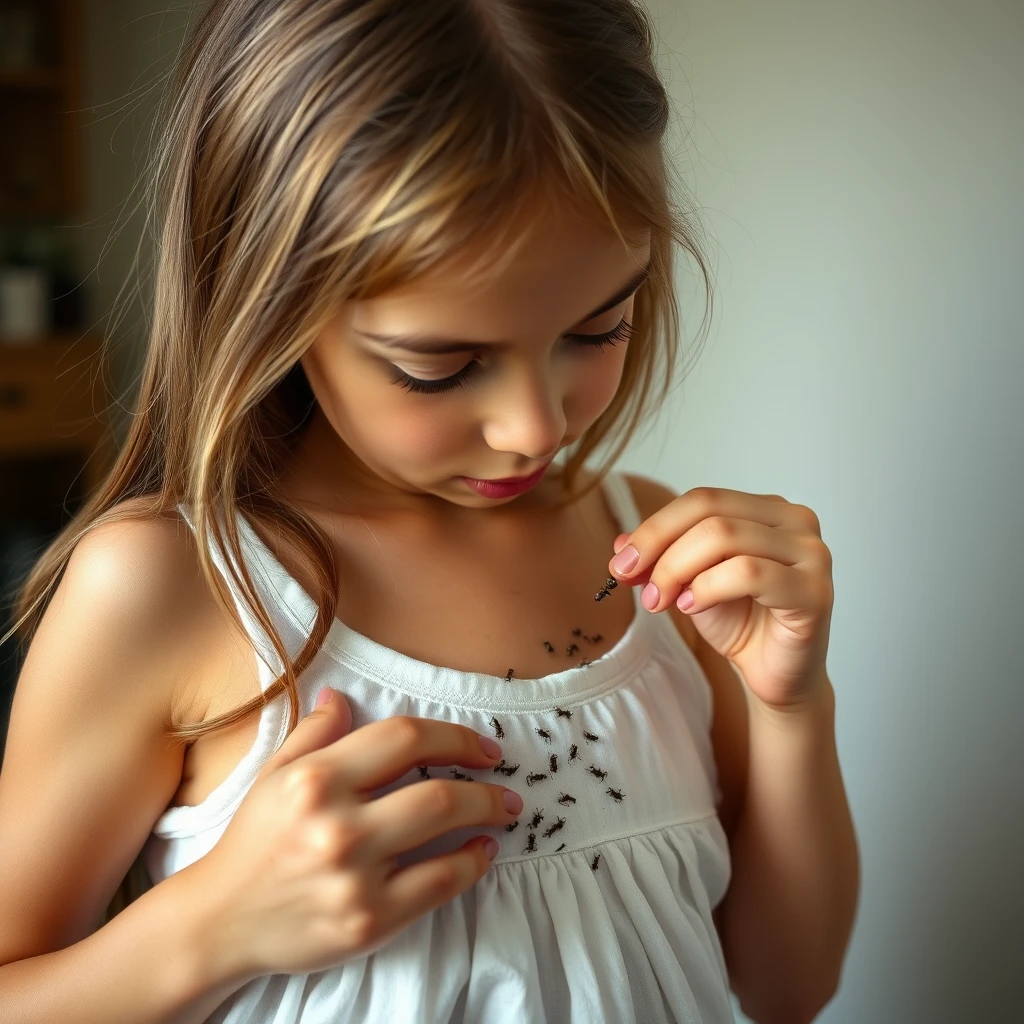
column 508, row 487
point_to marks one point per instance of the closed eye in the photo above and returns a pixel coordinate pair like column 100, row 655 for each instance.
column 622, row 332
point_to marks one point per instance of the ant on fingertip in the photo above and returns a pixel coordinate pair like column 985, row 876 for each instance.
column 609, row 585
column 534, row 777
column 615, row 794
column 552, row 829
column 597, row 773
column 496, row 726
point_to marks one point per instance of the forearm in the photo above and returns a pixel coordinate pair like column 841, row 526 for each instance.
column 789, row 912
column 146, row 966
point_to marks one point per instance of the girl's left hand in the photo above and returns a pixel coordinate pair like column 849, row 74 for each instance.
column 760, row 578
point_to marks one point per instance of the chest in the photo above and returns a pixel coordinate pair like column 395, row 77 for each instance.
column 518, row 595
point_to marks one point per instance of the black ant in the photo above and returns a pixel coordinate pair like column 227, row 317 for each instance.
column 552, row 829
column 562, row 847
column 553, row 763
column 583, row 664
column 531, row 843
column 562, row 713
column 573, row 752
column 597, row 773
column 615, row 794
column 508, row 675
column 538, row 817
column 506, row 769
column 593, row 866
column 498, row 731
column 548, row 648
column 534, row 777
column 571, row 650
column 544, row 734
column 589, row 736
column 609, row 585
column 577, row 632
column 458, row 775
column 424, row 774
column 596, row 638
column 513, row 826
column 565, row 799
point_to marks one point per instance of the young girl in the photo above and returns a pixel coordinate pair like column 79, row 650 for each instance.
column 572, row 754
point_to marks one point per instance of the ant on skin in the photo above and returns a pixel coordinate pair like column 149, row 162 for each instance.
column 496, row 726
column 596, row 638
column 538, row 817
column 571, row 650
column 583, row 664
column 593, row 867
column 573, row 753
column 562, row 713
column 565, row 799
column 589, row 736
column 597, row 773
column 553, row 762
column 531, row 843
column 615, row 794
column 548, row 647
column 577, row 632
column 544, row 734
column 508, row 675
column 552, row 829
column 506, row 769
column 424, row 774
column 534, row 777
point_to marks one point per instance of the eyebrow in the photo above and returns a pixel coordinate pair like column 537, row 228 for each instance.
column 432, row 344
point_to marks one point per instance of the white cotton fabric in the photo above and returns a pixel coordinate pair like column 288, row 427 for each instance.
column 543, row 936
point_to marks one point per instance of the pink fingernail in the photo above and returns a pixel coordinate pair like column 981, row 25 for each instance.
column 685, row 600
column 489, row 747
column 625, row 559
column 650, row 597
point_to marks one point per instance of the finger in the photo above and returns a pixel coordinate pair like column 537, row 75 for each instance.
column 416, row 813
column 416, row 890
column 650, row 539
column 384, row 751
column 711, row 542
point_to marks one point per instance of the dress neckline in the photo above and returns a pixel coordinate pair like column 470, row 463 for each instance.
column 455, row 687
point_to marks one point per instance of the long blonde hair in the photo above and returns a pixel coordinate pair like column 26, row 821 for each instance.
column 314, row 151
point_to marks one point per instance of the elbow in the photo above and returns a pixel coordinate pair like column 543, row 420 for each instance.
column 780, row 1007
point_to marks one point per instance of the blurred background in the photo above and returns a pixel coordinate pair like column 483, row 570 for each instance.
column 858, row 169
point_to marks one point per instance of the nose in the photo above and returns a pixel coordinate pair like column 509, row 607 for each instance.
column 528, row 417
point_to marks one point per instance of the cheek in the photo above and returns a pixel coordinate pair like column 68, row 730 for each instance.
column 597, row 385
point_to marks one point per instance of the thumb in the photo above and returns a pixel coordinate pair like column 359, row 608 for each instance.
column 330, row 719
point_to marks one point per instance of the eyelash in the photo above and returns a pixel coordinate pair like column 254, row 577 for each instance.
column 623, row 332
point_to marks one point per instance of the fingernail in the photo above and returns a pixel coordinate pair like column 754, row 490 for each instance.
column 513, row 801
column 323, row 696
column 489, row 747
column 625, row 559
column 650, row 597
column 490, row 847
column 685, row 601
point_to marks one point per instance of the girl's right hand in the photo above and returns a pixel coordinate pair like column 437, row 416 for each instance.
column 304, row 874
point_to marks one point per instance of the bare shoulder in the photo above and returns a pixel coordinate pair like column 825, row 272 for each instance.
column 730, row 723
column 88, row 766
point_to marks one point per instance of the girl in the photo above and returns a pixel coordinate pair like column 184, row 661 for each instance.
column 415, row 266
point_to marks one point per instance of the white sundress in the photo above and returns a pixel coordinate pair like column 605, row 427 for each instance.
column 607, row 918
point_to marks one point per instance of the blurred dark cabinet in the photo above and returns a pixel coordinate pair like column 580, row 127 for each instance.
column 40, row 101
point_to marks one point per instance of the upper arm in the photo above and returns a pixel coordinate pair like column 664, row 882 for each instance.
column 88, row 766
column 730, row 723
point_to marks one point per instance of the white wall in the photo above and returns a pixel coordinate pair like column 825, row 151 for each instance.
column 860, row 169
